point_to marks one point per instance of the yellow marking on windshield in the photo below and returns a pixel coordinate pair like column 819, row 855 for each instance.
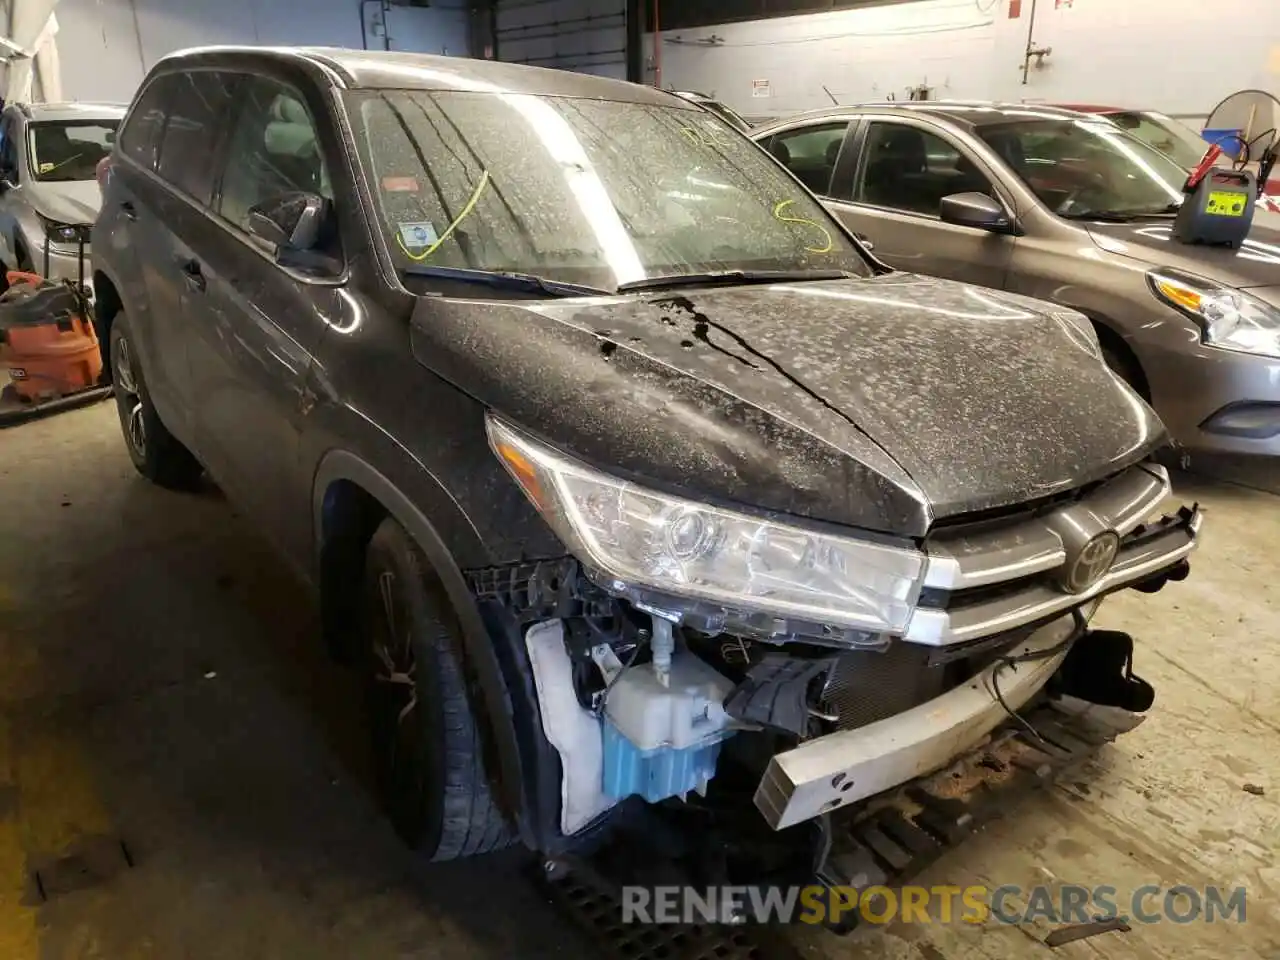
column 708, row 136
column 462, row 215
column 777, row 213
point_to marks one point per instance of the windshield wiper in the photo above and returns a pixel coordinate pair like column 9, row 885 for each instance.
column 1123, row 216
column 506, row 281
column 727, row 277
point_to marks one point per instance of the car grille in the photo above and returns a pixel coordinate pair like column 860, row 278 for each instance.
column 991, row 574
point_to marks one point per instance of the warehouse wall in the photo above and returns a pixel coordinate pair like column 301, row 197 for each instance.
column 768, row 68
column 586, row 36
column 106, row 46
column 1138, row 52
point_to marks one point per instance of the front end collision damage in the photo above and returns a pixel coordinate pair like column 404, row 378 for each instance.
column 704, row 398
column 789, row 747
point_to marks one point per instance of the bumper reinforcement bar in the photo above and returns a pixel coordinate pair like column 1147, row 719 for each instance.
column 891, row 840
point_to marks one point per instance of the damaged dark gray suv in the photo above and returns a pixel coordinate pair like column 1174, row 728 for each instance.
column 632, row 482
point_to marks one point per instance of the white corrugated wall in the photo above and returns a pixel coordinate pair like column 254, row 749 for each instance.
column 107, row 46
column 1143, row 53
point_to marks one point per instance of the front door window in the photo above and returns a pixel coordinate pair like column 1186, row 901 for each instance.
column 274, row 151
column 910, row 169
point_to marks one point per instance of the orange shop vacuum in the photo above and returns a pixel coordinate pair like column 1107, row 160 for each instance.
column 48, row 346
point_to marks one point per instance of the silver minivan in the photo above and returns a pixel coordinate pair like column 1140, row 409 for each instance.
column 49, row 194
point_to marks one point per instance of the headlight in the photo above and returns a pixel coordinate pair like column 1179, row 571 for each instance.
column 1230, row 318
column 65, row 232
column 628, row 537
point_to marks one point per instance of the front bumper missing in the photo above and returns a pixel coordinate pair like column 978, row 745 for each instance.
column 840, row 768
column 890, row 840
column 883, row 842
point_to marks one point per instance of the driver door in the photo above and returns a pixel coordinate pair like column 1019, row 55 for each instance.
column 904, row 171
column 258, row 322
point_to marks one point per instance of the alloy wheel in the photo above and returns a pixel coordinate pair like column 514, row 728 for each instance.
column 395, row 684
column 128, row 397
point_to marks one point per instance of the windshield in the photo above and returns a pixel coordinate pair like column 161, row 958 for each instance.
column 1080, row 168
column 589, row 192
column 1178, row 142
column 71, row 150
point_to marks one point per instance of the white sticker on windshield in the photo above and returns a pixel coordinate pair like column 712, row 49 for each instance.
column 417, row 234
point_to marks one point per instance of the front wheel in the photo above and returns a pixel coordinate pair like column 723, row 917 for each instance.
column 427, row 748
column 156, row 453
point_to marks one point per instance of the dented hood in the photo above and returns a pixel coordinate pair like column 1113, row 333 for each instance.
column 883, row 403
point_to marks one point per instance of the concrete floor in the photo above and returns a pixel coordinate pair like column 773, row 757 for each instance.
column 161, row 683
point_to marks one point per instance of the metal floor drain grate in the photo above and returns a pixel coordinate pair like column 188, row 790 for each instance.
column 599, row 913
column 89, row 863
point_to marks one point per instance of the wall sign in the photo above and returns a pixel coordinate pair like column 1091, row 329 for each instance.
column 760, row 88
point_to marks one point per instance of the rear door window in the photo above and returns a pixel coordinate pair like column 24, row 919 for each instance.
column 197, row 110
column 140, row 138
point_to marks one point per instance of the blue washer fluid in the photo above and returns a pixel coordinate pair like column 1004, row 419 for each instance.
column 659, row 773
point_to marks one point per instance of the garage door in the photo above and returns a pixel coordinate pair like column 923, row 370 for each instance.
column 579, row 35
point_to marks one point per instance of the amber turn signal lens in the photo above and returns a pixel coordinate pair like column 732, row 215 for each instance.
column 1180, row 295
column 525, row 472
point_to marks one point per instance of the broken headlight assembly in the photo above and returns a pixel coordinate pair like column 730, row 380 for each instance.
column 714, row 568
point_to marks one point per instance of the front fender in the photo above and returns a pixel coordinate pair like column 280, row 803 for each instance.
column 443, row 539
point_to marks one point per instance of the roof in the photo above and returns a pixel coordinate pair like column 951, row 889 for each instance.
column 73, row 110
column 1090, row 108
column 395, row 70
column 965, row 113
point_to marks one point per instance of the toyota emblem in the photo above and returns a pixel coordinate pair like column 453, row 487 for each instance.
column 1092, row 562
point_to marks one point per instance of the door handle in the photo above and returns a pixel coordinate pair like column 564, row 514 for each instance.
column 194, row 276
column 866, row 241
column 128, row 209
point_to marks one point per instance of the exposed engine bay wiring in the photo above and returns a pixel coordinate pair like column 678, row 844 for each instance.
column 1079, row 629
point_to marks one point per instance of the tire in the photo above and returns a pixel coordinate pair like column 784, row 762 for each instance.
column 428, row 753
column 156, row 453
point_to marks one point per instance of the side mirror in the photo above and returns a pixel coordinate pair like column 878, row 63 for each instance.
column 975, row 210
column 289, row 222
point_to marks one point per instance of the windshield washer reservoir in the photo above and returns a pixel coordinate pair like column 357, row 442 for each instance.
column 663, row 741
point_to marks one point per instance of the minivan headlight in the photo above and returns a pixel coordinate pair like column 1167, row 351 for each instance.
column 1229, row 318
column 65, row 232
column 628, row 536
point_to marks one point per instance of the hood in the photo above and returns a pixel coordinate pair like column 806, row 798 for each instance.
column 69, row 201
column 1255, row 263
column 883, row 403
